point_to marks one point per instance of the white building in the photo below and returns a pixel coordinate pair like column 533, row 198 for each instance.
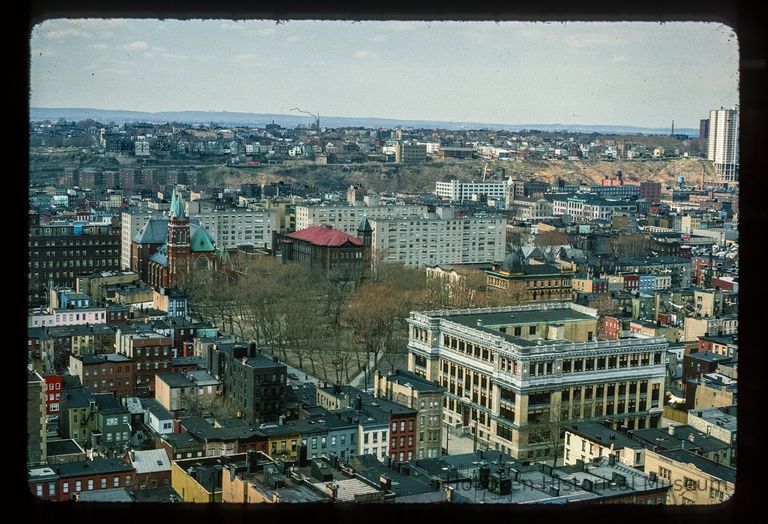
column 67, row 317
column 456, row 191
column 723, row 147
column 234, row 227
column 585, row 208
column 431, row 240
column 346, row 218
column 514, row 375
column 526, row 208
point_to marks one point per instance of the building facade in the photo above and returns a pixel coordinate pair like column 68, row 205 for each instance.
column 413, row 391
column 327, row 252
column 515, row 374
column 422, row 241
column 456, row 191
column 36, row 418
column 60, row 250
column 723, row 144
column 346, row 218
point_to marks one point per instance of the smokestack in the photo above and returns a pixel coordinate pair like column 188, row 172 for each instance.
column 358, row 402
column 673, row 128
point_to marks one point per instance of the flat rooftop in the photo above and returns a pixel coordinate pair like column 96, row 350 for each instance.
column 491, row 321
column 720, row 471
column 597, row 432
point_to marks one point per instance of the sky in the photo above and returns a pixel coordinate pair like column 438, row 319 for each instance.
column 594, row 73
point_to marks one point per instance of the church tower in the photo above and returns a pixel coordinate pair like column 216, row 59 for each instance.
column 365, row 233
column 178, row 241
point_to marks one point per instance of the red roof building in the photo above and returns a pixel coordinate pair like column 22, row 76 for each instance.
column 328, row 251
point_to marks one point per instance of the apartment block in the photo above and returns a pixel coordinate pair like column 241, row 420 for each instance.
column 59, row 250
column 347, row 218
column 233, row 227
column 456, row 191
column 428, row 241
column 515, row 374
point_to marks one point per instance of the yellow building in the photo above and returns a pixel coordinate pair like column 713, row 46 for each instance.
column 694, row 479
column 200, row 479
column 530, row 283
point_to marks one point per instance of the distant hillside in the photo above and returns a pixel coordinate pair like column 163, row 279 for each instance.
column 37, row 114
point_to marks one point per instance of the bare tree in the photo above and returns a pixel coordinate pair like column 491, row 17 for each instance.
column 550, row 238
column 633, row 245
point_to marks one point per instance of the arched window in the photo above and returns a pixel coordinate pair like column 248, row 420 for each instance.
column 201, row 262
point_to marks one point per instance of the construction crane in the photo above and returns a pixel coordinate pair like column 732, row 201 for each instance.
column 316, row 125
column 485, row 170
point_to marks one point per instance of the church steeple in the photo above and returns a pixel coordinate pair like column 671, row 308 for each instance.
column 178, row 241
column 177, row 206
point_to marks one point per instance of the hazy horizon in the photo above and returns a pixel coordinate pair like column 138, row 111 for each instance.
column 637, row 74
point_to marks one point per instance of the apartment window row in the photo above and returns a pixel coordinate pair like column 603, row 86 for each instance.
column 611, row 362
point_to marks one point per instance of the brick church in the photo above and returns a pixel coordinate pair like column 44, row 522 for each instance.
column 166, row 249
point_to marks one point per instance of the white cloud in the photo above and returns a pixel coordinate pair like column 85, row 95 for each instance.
column 247, row 58
column 100, row 45
column 379, row 38
column 292, row 39
column 139, row 44
column 585, row 41
column 618, row 59
column 67, row 32
column 362, row 55
column 265, row 32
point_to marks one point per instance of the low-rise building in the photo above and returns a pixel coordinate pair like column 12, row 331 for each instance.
column 153, row 468
column 64, row 481
column 719, row 422
column 695, row 479
column 104, row 373
column 587, row 441
column 415, row 392
column 526, row 283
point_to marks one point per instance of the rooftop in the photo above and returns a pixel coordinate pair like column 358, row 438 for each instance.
column 150, row 461
column 63, row 447
column 155, row 408
column 91, row 467
column 175, row 380
column 597, row 432
column 414, row 381
column 106, row 495
column 705, row 465
column 724, row 417
column 325, row 236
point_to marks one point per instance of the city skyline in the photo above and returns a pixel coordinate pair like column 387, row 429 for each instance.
column 598, row 73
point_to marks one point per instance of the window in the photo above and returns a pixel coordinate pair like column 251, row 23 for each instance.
column 116, row 482
column 394, row 426
column 65, row 487
column 51, row 489
column 78, row 486
column 532, row 330
column 39, row 490
column 103, row 482
column 90, row 484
